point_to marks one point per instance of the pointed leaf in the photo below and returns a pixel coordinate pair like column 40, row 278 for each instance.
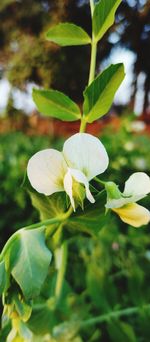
column 32, row 262
column 103, row 16
column 67, row 34
column 56, row 104
column 99, row 95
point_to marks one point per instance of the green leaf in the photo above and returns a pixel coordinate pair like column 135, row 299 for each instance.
column 49, row 207
column 3, row 278
column 32, row 261
column 46, row 314
column 98, row 97
column 55, row 104
column 92, row 219
column 67, row 34
column 103, row 16
column 120, row 331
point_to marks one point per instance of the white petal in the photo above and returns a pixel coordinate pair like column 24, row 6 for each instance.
column 46, row 171
column 86, row 153
column 68, row 187
column 118, row 203
column 137, row 185
column 134, row 214
column 81, row 178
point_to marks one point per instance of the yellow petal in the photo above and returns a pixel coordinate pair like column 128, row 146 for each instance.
column 133, row 214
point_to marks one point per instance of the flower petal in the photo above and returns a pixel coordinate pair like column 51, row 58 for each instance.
column 118, row 203
column 81, row 178
column 133, row 214
column 46, row 171
column 86, row 153
column 137, row 185
column 68, row 187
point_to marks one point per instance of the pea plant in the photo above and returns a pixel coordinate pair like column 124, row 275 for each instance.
column 73, row 202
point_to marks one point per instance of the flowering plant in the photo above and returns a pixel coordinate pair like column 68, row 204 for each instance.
column 66, row 189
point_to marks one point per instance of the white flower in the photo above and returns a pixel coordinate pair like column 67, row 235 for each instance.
column 136, row 188
column 83, row 157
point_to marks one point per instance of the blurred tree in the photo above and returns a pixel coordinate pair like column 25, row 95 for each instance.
column 134, row 33
column 26, row 56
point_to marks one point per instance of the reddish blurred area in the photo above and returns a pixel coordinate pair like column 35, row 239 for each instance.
column 38, row 125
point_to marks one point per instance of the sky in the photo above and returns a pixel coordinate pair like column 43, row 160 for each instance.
column 24, row 101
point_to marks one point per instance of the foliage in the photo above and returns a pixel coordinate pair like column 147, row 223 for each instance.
column 68, row 34
column 118, row 258
column 14, row 201
column 103, row 89
column 26, row 57
column 41, row 297
column 55, row 104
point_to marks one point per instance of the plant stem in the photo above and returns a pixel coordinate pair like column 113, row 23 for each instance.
column 99, row 181
column 92, row 66
column 93, row 60
column 113, row 314
column 83, row 125
column 44, row 223
column 92, row 7
column 61, row 270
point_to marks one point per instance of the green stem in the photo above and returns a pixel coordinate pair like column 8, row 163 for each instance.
column 83, row 125
column 99, row 181
column 93, row 60
column 92, row 7
column 113, row 314
column 92, row 66
column 61, row 271
column 44, row 223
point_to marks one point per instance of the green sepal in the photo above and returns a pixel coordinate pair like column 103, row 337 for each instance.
column 112, row 191
column 78, row 192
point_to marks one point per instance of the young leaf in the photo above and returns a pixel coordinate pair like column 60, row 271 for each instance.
column 103, row 16
column 56, row 104
column 98, row 97
column 67, row 34
column 2, row 276
column 32, row 262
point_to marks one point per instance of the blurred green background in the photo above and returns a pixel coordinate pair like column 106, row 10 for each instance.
column 115, row 268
